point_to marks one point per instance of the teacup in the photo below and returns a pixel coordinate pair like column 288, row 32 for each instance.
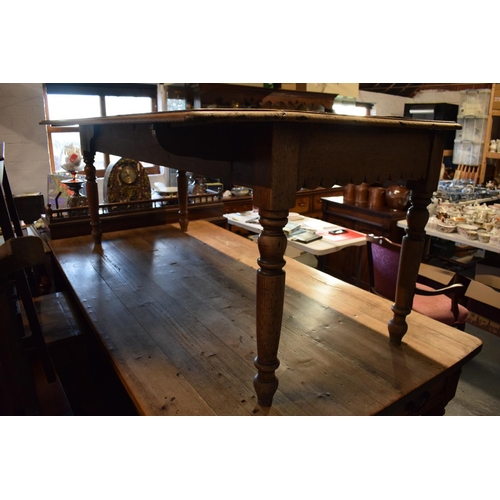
column 483, row 237
column 463, row 228
column 471, row 235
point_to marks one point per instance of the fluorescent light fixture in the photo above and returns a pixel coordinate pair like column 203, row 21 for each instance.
column 346, row 109
column 420, row 111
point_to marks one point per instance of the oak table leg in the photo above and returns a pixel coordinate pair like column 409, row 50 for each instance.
column 93, row 197
column 270, row 297
column 182, row 189
column 409, row 263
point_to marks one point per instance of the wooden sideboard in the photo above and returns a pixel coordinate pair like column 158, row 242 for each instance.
column 348, row 265
column 224, row 95
column 62, row 224
column 308, row 202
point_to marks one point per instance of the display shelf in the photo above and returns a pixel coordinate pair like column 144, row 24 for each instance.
column 490, row 169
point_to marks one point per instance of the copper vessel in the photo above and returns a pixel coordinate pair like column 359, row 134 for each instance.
column 397, row 197
column 361, row 193
column 349, row 192
column 376, row 197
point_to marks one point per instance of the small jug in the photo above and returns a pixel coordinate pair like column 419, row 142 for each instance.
column 376, row 197
column 361, row 193
column 349, row 192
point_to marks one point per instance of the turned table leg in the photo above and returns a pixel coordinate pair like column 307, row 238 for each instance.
column 409, row 264
column 182, row 193
column 270, row 296
column 93, row 197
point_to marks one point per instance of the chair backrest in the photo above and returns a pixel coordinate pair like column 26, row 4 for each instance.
column 11, row 228
column 9, row 220
column 383, row 263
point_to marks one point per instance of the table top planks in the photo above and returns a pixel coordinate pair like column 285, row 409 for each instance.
column 176, row 312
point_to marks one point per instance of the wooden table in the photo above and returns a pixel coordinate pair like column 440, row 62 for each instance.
column 278, row 152
column 457, row 238
column 175, row 311
column 325, row 246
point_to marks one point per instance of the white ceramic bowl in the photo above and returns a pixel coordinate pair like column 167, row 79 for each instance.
column 471, row 235
column 240, row 191
column 463, row 228
column 446, row 228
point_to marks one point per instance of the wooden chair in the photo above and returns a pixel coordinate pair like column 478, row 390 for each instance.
column 439, row 304
column 18, row 254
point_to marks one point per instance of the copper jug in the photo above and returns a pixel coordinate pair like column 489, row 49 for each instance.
column 376, row 197
column 361, row 193
column 397, row 197
column 349, row 192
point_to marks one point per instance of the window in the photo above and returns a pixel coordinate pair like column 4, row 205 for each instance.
column 87, row 100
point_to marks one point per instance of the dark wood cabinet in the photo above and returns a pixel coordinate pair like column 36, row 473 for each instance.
column 226, row 95
column 308, row 202
column 350, row 263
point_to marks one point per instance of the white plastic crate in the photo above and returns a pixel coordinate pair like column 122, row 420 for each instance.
column 473, row 128
column 474, row 102
column 467, row 152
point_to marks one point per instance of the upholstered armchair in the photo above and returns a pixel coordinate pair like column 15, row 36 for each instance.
column 439, row 304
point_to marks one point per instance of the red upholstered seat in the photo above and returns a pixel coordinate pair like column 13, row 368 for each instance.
column 438, row 307
column 442, row 305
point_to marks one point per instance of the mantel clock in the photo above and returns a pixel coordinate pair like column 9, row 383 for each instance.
column 126, row 180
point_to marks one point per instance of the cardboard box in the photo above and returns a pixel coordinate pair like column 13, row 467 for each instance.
column 481, row 299
column 291, row 86
column 496, row 97
column 484, row 306
column 442, row 277
column 488, row 275
column 345, row 89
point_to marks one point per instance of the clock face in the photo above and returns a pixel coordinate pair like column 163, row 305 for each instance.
column 128, row 174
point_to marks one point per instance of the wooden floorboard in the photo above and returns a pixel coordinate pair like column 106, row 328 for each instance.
column 176, row 312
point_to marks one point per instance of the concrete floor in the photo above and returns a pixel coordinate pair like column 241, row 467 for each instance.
column 478, row 391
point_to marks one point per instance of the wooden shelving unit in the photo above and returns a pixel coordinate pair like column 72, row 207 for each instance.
column 490, row 169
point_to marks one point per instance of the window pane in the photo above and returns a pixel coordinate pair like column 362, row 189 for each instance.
column 70, row 106
column 113, row 159
column 127, row 105
column 63, row 107
column 176, row 104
